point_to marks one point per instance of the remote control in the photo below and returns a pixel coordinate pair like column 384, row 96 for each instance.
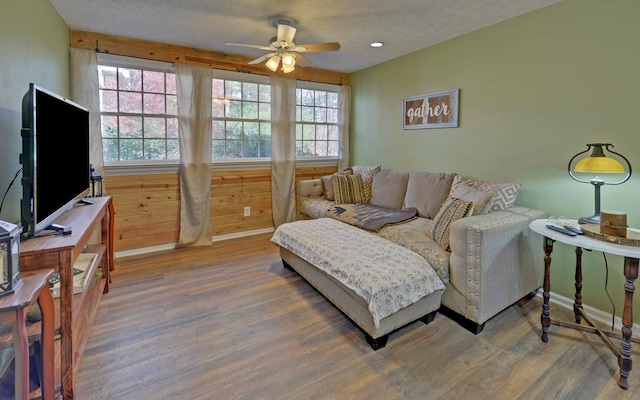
column 573, row 229
column 561, row 229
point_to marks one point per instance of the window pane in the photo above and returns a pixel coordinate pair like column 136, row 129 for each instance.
column 130, row 79
column 233, row 149
column 233, row 109
column 153, row 103
column 332, row 99
column 308, row 132
column 109, row 100
column 264, row 111
column 234, row 130
column 332, row 115
column 321, row 114
column 107, row 77
column 131, row 127
column 250, row 91
column 307, row 114
column 332, row 149
column 332, row 132
column 171, row 83
column 154, row 128
column 251, row 130
column 172, row 127
column 251, row 148
column 172, row 105
column 130, row 102
column 265, row 93
column 217, row 129
column 233, row 90
column 173, row 149
column 217, row 108
column 217, row 89
column 110, row 150
column 265, row 131
column 130, row 149
column 321, row 132
column 249, row 110
column 218, row 149
column 265, row 148
column 109, row 126
column 307, row 97
column 153, row 81
column 154, row 149
column 321, row 149
column 321, row 99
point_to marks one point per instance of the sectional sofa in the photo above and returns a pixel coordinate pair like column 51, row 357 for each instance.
column 469, row 231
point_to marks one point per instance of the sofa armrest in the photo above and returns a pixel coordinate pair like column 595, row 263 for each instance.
column 307, row 189
column 495, row 261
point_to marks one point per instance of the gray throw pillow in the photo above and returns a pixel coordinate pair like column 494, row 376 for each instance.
column 388, row 189
column 426, row 191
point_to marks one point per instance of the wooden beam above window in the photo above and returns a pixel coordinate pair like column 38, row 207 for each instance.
column 189, row 55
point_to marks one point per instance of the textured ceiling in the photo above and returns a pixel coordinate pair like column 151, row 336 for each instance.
column 403, row 25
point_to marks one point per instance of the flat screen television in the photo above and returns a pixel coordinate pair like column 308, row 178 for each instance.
column 55, row 157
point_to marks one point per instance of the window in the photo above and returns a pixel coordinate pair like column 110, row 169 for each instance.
column 138, row 109
column 241, row 119
column 317, row 131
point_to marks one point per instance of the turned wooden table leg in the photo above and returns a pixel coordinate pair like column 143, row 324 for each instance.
column 544, row 318
column 578, row 303
column 624, row 361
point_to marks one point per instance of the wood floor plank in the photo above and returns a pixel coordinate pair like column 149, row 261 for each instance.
column 229, row 322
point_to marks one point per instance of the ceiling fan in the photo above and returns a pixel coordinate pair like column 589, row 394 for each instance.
column 283, row 48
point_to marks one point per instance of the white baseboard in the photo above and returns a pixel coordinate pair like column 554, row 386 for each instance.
column 170, row 246
column 600, row 316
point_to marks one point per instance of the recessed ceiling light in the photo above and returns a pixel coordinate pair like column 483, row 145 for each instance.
column 377, row 44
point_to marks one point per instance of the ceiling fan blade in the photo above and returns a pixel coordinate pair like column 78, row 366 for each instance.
column 302, row 60
column 261, row 59
column 331, row 46
column 253, row 46
column 286, row 33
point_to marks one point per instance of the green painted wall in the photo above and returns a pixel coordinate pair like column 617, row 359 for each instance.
column 534, row 90
column 34, row 48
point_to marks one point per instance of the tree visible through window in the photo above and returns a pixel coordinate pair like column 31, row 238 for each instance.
column 138, row 111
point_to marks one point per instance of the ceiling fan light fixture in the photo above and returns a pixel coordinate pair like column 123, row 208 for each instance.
column 273, row 63
column 288, row 63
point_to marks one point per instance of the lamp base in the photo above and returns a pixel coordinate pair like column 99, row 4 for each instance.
column 594, row 219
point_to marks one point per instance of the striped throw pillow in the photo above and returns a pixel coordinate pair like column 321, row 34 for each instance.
column 451, row 210
column 348, row 189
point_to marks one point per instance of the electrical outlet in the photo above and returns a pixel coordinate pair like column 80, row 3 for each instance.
column 247, row 211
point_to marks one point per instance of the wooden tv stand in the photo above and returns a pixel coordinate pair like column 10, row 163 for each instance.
column 74, row 313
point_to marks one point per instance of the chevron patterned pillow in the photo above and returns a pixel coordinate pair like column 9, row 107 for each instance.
column 504, row 194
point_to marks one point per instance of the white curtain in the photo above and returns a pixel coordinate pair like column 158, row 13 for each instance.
column 343, row 122
column 283, row 150
column 193, row 85
column 84, row 91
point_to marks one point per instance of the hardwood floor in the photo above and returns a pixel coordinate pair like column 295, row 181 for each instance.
column 229, row 322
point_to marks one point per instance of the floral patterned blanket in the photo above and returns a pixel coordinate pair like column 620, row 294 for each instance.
column 370, row 217
column 387, row 276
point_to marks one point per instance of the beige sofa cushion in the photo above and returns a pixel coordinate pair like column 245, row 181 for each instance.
column 426, row 191
column 388, row 189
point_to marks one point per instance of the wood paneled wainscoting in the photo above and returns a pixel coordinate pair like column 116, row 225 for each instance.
column 147, row 206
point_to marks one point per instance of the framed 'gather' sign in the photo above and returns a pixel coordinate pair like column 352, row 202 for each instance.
column 434, row 110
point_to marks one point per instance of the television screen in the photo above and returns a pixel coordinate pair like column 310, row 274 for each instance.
column 55, row 157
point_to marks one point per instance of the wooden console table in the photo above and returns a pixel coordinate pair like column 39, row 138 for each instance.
column 631, row 255
column 74, row 313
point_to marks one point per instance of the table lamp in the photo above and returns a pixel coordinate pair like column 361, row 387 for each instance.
column 598, row 163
